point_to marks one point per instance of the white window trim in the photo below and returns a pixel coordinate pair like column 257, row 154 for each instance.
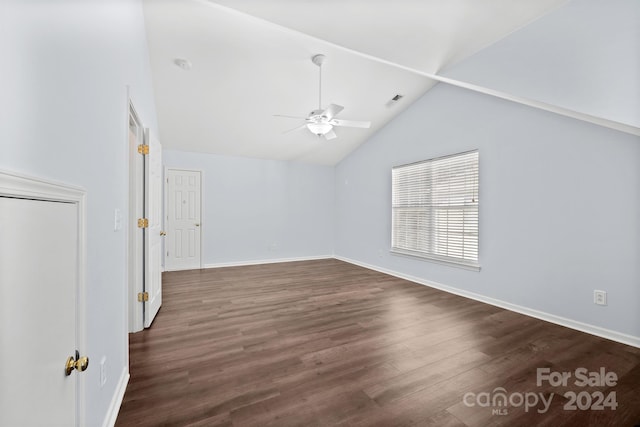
column 452, row 262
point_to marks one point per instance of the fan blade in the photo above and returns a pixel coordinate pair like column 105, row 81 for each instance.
column 351, row 123
column 332, row 110
column 295, row 128
column 330, row 135
column 289, row 117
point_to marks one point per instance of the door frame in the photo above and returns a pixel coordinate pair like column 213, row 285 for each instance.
column 135, row 241
column 165, row 210
column 21, row 186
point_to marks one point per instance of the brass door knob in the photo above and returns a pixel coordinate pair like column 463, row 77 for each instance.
column 82, row 364
column 197, row 224
column 78, row 363
column 163, row 233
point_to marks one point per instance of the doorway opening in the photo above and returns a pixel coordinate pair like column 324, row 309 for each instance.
column 145, row 224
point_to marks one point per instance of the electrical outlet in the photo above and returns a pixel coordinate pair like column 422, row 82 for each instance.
column 599, row 297
column 103, row 371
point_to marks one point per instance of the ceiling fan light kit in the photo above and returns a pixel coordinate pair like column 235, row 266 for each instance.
column 321, row 121
column 319, row 128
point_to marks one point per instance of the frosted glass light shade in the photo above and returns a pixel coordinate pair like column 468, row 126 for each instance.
column 319, row 128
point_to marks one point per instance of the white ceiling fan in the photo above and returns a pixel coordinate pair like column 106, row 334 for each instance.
column 321, row 122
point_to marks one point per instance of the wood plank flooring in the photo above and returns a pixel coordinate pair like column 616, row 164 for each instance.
column 326, row 343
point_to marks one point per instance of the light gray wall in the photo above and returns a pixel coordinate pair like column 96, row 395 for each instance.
column 559, row 205
column 584, row 56
column 261, row 209
column 63, row 116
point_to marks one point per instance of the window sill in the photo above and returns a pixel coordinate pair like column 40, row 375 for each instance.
column 466, row 265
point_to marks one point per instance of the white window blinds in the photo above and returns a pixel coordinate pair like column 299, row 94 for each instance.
column 435, row 209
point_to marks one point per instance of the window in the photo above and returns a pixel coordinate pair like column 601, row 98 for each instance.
column 435, row 209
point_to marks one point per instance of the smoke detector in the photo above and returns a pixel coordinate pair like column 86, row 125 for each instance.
column 185, row 64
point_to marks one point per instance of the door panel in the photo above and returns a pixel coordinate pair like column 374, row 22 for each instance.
column 153, row 242
column 183, row 219
column 38, row 295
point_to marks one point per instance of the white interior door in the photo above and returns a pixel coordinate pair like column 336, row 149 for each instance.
column 38, row 302
column 183, row 219
column 153, row 241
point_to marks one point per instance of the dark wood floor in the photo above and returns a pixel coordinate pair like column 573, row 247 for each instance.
column 326, row 343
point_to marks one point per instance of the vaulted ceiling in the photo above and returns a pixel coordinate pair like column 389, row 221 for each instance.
column 251, row 60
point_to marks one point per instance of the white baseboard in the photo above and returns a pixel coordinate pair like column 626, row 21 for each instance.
column 562, row 321
column 116, row 401
column 266, row 261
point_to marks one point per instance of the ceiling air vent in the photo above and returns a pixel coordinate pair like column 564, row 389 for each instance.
column 394, row 100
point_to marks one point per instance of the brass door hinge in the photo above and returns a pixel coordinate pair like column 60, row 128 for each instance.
column 143, row 149
column 143, row 222
column 143, row 296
